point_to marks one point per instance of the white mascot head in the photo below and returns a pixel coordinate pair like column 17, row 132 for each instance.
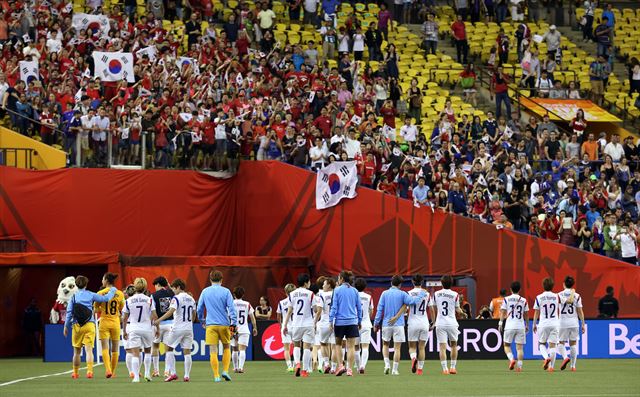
column 66, row 289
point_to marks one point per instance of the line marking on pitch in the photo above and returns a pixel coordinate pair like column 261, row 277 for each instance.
column 42, row 376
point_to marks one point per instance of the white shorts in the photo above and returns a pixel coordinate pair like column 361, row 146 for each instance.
column 447, row 334
column 182, row 337
column 417, row 333
column 396, row 332
column 365, row 336
column 304, row 334
column 141, row 339
column 164, row 333
column 548, row 335
column 240, row 339
column 286, row 338
column 514, row 335
column 325, row 335
column 569, row 334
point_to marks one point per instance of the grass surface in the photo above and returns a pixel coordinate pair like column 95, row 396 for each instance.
column 475, row 378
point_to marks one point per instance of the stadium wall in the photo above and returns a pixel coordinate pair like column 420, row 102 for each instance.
column 268, row 209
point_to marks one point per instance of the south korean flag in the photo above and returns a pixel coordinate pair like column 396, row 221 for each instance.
column 29, row 71
column 113, row 66
column 183, row 62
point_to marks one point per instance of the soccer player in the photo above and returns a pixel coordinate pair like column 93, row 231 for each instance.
column 303, row 314
column 139, row 315
column 345, row 317
column 365, row 327
column 281, row 311
column 317, row 346
column 109, row 324
column 220, row 322
column 418, row 325
column 515, row 310
column 128, row 292
column 241, row 339
column 79, row 318
column 325, row 332
column 571, row 322
column 162, row 298
column 390, row 316
column 548, row 310
column 183, row 311
column 447, row 305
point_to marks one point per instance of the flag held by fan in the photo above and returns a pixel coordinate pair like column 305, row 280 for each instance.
column 334, row 182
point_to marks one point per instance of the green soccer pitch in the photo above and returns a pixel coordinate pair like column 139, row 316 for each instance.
column 475, row 378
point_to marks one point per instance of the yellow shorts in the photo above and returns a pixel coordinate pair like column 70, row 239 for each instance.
column 83, row 336
column 109, row 331
column 218, row 333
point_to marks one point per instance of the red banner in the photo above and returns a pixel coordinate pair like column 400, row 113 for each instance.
column 268, row 209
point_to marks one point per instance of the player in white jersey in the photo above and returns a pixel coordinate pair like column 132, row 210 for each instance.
column 139, row 313
column 547, row 308
column 365, row 326
column 281, row 312
column 302, row 316
column 515, row 310
column 447, row 305
column 571, row 323
column 240, row 340
column 418, row 325
column 324, row 331
column 183, row 309
column 129, row 291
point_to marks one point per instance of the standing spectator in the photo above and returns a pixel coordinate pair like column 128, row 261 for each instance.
column 294, row 10
column 602, row 34
column 462, row 9
column 614, row 148
column 32, row 328
column 373, row 38
column 596, row 76
column 628, row 243
column 193, row 28
column 501, row 10
column 533, row 6
column 459, row 32
column 265, row 17
column 608, row 305
column 263, row 310
column 610, row 231
column 468, row 84
column 553, row 38
column 502, row 44
column 414, row 94
column 496, row 304
column 579, row 124
column 384, row 21
column 430, row 34
column 457, row 202
column 587, row 20
column 634, row 75
column 310, row 16
column 500, row 89
column 611, row 19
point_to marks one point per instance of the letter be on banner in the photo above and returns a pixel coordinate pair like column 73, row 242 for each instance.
column 336, row 181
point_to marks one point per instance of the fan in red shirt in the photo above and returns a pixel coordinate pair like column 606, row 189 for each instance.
column 368, row 171
column 323, row 123
column 388, row 114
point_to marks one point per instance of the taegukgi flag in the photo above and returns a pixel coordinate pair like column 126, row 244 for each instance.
column 335, row 182
column 114, row 66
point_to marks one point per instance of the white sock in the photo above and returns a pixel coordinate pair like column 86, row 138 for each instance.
column 156, row 363
column 413, row 355
column 420, row 364
column 395, row 367
column 552, row 356
column 127, row 360
column 242, row 356
column 320, row 358
column 444, row 364
column 344, row 354
column 574, row 355
column 357, row 359
column 147, row 365
column 386, row 362
column 453, row 363
column 562, row 350
column 519, row 363
column 306, row 360
column 288, row 361
column 187, row 364
column 170, row 363
column 135, row 367
column 296, row 355
column 234, row 359
column 364, row 358
column 334, row 365
column 510, row 356
column 543, row 351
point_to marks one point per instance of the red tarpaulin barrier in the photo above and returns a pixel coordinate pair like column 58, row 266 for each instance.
column 268, row 209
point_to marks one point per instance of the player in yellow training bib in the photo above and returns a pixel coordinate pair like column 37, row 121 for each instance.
column 109, row 325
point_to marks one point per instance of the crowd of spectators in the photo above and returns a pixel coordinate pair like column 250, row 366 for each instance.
column 252, row 97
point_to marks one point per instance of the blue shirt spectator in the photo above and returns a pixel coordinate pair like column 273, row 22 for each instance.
column 420, row 192
column 457, row 201
column 330, row 6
